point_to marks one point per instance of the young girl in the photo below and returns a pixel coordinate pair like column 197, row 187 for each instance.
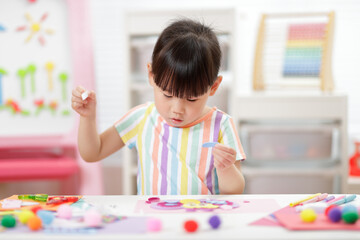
column 169, row 133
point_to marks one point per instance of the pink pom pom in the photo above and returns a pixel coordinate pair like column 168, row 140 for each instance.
column 64, row 211
column 154, row 225
column 92, row 218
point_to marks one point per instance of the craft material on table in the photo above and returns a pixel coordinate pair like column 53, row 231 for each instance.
column 315, row 199
column 293, row 204
column 336, row 199
column 345, row 199
column 206, row 205
column 291, row 220
column 28, row 204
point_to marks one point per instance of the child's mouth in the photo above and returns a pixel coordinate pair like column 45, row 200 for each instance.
column 176, row 121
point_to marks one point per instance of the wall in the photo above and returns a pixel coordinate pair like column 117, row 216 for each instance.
column 108, row 25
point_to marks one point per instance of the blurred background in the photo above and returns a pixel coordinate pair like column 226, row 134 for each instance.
column 291, row 83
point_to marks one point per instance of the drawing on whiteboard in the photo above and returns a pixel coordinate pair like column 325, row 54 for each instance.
column 36, row 28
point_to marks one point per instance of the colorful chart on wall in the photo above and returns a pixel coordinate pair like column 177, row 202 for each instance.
column 35, row 68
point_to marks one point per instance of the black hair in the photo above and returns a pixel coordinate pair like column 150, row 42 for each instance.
column 186, row 59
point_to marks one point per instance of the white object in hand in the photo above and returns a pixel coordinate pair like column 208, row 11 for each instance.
column 84, row 95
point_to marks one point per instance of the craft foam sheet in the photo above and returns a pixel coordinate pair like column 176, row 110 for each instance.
column 291, row 220
column 239, row 206
column 288, row 217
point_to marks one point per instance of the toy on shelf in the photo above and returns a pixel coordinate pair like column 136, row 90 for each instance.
column 294, row 50
column 35, row 28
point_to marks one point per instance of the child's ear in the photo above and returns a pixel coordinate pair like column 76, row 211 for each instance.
column 150, row 74
column 216, row 85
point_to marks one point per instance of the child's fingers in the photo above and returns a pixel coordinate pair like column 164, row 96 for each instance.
column 224, row 155
column 224, row 148
column 78, row 100
column 92, row 95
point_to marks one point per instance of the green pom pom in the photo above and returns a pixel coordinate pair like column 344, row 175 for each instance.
column 350, row 217
column 8, row 221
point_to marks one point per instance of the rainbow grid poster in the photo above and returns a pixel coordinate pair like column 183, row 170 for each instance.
column 304, row 50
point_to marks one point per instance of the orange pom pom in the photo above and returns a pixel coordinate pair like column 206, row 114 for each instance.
column 34, row 223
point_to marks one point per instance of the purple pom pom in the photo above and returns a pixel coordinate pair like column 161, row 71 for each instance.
column 214, row 222
column 335, row 215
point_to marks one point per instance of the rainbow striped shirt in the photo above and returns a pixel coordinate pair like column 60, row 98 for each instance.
column 172, row 160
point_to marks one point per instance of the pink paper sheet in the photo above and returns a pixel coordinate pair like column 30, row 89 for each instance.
column 291, row 220
column 245, row 206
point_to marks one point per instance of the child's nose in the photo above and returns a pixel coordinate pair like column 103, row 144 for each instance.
column 178, row 106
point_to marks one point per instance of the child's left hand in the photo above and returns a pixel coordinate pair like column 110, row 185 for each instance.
column 224, row 156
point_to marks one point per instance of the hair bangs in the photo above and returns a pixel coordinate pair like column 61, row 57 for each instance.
column 184, row 68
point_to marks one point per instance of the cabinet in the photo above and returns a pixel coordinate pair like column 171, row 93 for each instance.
column 142, row 30
column 298, row 140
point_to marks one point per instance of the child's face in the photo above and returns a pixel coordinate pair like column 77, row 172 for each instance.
column 180, row 112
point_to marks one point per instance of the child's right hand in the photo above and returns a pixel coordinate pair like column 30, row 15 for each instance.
column 87, row 107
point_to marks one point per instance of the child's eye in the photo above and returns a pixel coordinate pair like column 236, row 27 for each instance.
column 192, row 100
column 168, row 96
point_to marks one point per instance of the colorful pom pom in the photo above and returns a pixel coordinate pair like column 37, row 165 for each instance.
column 334, row 214
column 93, row 218
column 64, row 211
column 47, row 217
column 308, row 215
column 327, row 210
column 215, row 221
column 25, row 215
column 8, row 221
column 350, row 217
column 190, row 226
column 34, row 223
column 154, row 225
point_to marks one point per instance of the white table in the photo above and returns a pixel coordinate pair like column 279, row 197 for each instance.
column 234, row 226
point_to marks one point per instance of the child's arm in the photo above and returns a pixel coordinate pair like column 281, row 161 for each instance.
column 92, row 146
column 231, row 180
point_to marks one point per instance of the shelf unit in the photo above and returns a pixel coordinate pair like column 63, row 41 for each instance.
column 140, row 40
column 296, row 108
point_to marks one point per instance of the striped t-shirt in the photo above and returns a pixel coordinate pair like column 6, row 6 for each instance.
column 172, row 160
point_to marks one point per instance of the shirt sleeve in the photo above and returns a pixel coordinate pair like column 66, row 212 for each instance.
column 127, row 126
column 229, row 137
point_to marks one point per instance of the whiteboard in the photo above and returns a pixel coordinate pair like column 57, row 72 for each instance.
column 42, row 118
